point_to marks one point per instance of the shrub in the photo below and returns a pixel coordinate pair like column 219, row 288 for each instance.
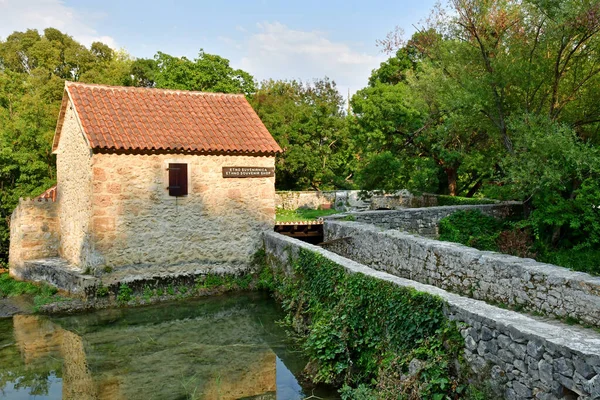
column 363, row 332
column 471, row 228
column 124, row 294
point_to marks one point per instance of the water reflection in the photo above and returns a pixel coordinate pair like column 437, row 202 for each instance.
column 218, row 348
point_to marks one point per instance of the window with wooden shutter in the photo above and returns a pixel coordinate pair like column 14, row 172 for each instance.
column 178, row 180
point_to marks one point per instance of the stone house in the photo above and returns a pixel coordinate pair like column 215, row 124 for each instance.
column 151, row 180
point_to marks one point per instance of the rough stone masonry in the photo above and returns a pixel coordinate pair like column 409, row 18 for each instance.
column 521, row 357
column 484, row 275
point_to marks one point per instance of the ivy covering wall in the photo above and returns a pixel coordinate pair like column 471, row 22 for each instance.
column 370, row 337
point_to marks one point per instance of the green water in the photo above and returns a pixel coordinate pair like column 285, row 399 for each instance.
column 226, row 347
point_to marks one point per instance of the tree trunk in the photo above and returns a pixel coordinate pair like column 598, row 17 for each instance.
column 452, row 178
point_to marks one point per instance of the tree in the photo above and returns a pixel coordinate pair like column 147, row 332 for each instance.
column 308, row 122
column 33, row 68
column 207, row 73
column 411, row 110
column 507, row 92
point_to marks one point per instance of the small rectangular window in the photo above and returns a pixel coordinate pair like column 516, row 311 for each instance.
column 178, row 180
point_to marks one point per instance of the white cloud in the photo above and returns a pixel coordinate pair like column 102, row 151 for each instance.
column 19, row 15
column 275, row 51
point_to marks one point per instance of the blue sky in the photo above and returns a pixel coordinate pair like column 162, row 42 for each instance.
column 270, row 39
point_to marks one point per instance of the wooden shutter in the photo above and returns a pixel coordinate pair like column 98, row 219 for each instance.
column 178, row 180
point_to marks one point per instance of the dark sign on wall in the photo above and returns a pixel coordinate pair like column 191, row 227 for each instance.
column 248, row 172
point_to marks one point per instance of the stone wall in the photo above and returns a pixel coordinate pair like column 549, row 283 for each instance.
column 425, row 221
column 33, row 232
column 74, row 183
column 484, row 275
column 338, row 199
column 522, row 357
column 136, row 223
column 351, row 200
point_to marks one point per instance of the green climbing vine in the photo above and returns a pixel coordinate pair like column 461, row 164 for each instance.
column 362, row 333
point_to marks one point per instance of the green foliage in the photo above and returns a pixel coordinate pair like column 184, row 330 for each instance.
column 444, row 200
column 10, row 287
column 308, row 121
column 47, row 296
column 125, row 293
column 472, row 228
column 561, row 175
column 147, row 293
column 584, row 260
column 170, row 290
column 301, row 214
column 362, row 392
column 42, row 293
column 363, row 332
column 101, row 290
column 207, row 73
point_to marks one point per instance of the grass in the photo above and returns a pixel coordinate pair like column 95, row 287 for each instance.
column 41, row 293
column 302, row 214
column 10, row 287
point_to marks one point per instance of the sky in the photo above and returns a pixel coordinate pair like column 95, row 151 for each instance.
column 270, row 39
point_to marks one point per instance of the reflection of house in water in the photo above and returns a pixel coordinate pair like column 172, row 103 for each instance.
column 216, row 356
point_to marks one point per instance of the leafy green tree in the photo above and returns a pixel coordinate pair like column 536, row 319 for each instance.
column 308, row 122
column 33, row 68
column 507, row 94
column 208, row 73
column 423, row 119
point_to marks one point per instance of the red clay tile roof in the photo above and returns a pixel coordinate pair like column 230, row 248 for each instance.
column 49, row 194
column 125, row 119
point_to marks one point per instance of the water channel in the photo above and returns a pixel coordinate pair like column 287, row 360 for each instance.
column 226, row 347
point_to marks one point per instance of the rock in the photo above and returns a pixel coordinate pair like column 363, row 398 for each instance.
column 546, row 371
column 535, row 349
column 593, row 387
column 486, row 333
column 520, row 365
column 470, row 343
column 583, row 368
column 14, row 305
column 415, row 366
column 522, row 390
column 563, row 367
column 519, row 350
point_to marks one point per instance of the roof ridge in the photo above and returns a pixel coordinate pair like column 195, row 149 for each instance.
column 136, row 88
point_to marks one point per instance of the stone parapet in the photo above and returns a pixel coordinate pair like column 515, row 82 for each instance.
column 34, row 231
column 351, row 200
column 521, row 356
column 425, row 220
column 493, row 277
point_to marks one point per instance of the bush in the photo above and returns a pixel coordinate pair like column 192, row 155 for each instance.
column 472, row 228
column 124, row 294
column 586, row 260
column 363, row 332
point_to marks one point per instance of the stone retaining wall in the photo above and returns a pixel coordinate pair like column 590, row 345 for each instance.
column 484, row 275
column 351, row 200
column 425, row 221
column 522, row 357
column 33, row 231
